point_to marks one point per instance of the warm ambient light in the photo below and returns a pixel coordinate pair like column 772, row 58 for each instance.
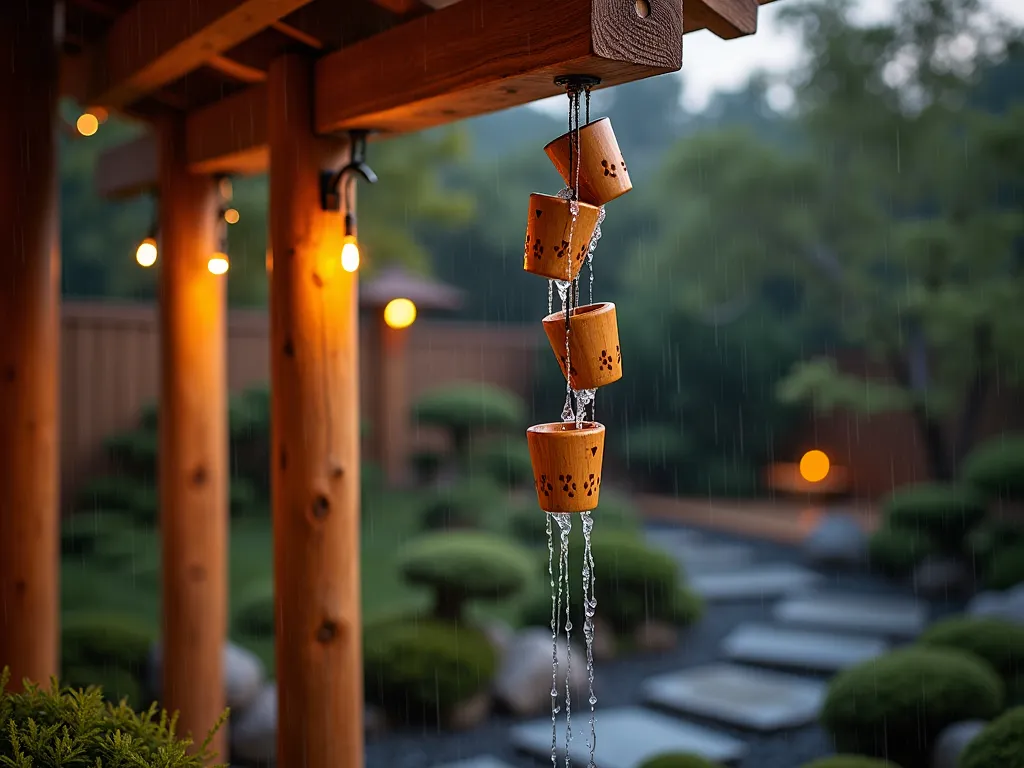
column 145, row 254
column 87, row 124
column 350, row 254
column 231, row 216
column 399, row 313
column 218, row 263
column 814, row 466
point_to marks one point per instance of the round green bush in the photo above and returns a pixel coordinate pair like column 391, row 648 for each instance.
column 426, row 465
column 83, row 533
column 420, row 671
column 1000, row 643
column 464, row 408
column 120, row 494
column 507, row 461
column 634, row 583
column 134, row 453
column 106, row 649
column 896, row 705
column 464, row 565
column 850, row 761
column 244, row 500
column 1005, row 568
column 942, row 511
column 463, row 505
column 988, row 538
column 679, row 760
column 253, row 614
column 88, row 731
column 996, row 467
column 895, row 551
column 1000, row 745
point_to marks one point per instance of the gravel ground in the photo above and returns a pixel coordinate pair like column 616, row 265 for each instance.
column 618, row 683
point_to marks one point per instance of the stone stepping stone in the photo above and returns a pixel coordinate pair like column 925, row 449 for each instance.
column 799, row 649
column 673, row 538
column 712, row 558
column 477, row 762
column 739, row 696
column 754, row 583
column 626, row 738
column 891, row 617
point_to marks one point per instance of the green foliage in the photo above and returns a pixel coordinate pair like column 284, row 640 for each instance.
column 426, row 464
column 945, row 513
column 244, row 499
column 990, row 537
column 76, row 729
column 896, row 705
column 419, row 671
column 134, row 453
column 998, row 642
column 120, row 494
column 254, row 611
column 850, row 761
column 84, row 534
column 465, row 408
column 106, row 649
column 996, row 467
column 464, row 565
column 1000, row 744
column 635, row 583
column 678, row 760
column 1006, row 567
column 896, row 551
column 463, row 505
column 507, row 460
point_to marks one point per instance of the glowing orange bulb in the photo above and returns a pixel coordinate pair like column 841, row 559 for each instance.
column 814, row 466
column 231, row 216
column 218, row 263
column 350, row 254
column 87, row 124
column 145, row 254
column 399, row 313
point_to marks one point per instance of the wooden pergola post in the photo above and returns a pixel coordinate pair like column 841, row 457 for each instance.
column 391, row 401
column 29, row 342
column 314, row 360
column 193, row 443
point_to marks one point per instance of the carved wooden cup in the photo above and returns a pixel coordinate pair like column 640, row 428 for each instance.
column 602, row 175
column 555, row 247
column 567, row 465
column 594, row 354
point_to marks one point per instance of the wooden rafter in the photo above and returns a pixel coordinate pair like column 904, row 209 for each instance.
column 156, row 42
column 726, row 18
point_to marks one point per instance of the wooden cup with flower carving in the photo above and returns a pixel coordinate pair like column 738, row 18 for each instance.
column 602, row 170
column 556, row 247
column 567, row 465
column 594, row 355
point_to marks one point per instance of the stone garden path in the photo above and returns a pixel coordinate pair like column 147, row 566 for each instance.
column 749, row 693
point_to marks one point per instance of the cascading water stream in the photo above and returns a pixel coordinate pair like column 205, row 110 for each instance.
column 589, row 610
column 565, row 528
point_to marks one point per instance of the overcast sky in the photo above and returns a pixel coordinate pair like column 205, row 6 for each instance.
column 711, row 64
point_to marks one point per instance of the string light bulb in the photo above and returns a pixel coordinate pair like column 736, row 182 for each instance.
column 399, row 313
column 231, row 216
column 350, row 254
column 146, row 253
column 87, row 124
column 218, row 263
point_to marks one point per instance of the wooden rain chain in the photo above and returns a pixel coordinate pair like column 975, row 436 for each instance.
column 567, row 456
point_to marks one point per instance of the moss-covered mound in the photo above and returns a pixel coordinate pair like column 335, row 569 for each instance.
column 1000, row 745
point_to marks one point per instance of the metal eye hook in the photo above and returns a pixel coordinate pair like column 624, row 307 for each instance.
column 330, row 182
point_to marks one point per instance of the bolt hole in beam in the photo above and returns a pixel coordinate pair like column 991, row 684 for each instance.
column 643, row 8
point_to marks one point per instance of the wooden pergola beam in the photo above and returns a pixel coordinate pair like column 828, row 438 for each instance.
column 479, row 56
column 728, row 19
column 155, row 42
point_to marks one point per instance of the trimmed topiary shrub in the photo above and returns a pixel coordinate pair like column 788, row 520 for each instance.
column 463, row 409
column 634, row 583
column 462, row 566
column 120, row 494
column 507, row 462
column 421, row 671
column 254, row 611
column 1000, row 745
column 988, row 538
column 76, row 729
column 895, row 551
column 463, row 505
column 134, row 453
column 83, row 534
column 1000, row 643
column 996, row 467
column 895, row 706
column 244, row 499
column 850, row 761
column 679, row 760
column 108, row 650
column 426, row 465
column 945, row 513
column 1005, row 568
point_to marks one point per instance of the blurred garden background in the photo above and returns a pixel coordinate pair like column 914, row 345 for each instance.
column 839, row 270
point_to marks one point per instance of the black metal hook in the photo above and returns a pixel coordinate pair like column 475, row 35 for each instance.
column 330, row 182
